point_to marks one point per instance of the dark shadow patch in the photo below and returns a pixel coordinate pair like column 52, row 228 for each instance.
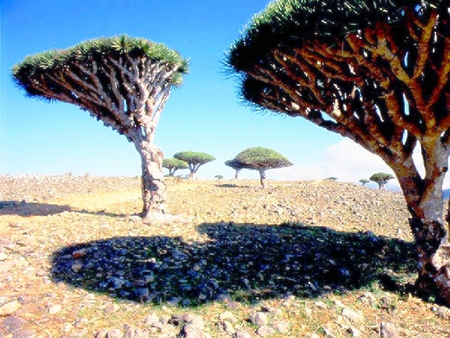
column 26, row 209
column 241, row 262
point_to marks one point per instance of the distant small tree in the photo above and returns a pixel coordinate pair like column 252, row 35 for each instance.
column 261, row 159
column 332, row 178
column 174, row 164
column 381, row 179
column 219, row 177
column 194, row 159
column 236, row 166
column 364, row 181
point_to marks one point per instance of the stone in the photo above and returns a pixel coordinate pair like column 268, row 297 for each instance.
column 191, row 331
column 226, row 326
column 54, row 308
column 12, row 324
column 132, row 332
column 259, row 318
column 150, row 320
column 9, row 308
column 282, row 327
column 101, row 334
column 81, row 322
column 354, row 332
column 115, row 333
column 352, row 316
column 76, row 267
column 242, row 334
column 228, row 316
column 388, row 330
column 265, row 331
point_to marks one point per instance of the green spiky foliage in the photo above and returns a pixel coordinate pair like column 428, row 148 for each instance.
column 364, row 181
column 194, row 159
column 377, row 72
column 260, row 158
column 109, row 77
column 174, row 164
column 122, row 81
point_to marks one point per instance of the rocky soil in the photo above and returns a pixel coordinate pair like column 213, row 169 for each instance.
column 298, row 259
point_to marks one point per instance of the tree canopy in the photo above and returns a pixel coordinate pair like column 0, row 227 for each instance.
column 381, row 179
column 259, row 158
column 99, row 75
column 194, row 159
column 174, row 164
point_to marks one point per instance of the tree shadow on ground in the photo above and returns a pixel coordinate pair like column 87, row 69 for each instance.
column 240, row 262
column 26, row 209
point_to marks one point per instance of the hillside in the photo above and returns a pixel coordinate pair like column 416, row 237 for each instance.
column 298, row 259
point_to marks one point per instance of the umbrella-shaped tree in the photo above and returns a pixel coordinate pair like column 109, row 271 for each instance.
column 174, row 164
column 122, row 81
column 381, row 179
column 195, row 160
column 236, row 166
column 260, row 159
column 376, row 72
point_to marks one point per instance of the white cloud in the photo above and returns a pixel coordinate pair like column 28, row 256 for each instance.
column 346, row 160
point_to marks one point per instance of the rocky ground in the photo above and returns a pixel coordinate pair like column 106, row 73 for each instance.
column 298, row 259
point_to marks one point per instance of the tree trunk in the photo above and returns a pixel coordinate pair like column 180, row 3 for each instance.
column 262, row 177
column 425, row 203
column 153, row 186
column 431, row 238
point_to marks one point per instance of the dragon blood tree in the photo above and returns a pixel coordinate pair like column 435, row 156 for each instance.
column 376, row 72
column 260, row 159
column 122, row 81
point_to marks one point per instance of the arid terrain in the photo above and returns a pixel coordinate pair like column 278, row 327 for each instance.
column 298, row 259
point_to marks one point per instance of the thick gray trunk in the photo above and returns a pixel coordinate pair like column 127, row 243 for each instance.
column 425, row 203
column 153, row 186
column 262, row 177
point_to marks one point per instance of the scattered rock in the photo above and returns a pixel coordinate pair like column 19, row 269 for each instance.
column 282, row 327
column 9, row 308
column 242, row 334
column 352, row 316
column 54, row 308
column 191, row 331
column 265, row 331
column 115, row 333
column 388, row 330
column 259, row 318
column 151, row 319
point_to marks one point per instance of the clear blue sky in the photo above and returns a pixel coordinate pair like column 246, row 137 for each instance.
column 205, row 114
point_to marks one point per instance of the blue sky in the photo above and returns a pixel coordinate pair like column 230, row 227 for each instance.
column 205, row 114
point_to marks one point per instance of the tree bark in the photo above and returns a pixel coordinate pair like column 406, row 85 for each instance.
column 262, row 176
column 425, row 203
column 153, row 186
